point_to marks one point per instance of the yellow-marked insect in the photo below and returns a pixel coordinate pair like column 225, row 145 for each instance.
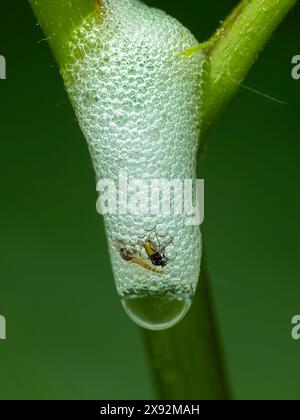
column 134, row 257
column 156, row 251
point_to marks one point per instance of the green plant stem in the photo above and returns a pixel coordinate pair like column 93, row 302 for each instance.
column 186, row 360
column 59, row 17
column 235, row 47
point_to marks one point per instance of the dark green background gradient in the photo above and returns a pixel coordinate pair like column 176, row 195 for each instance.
column 68, row 337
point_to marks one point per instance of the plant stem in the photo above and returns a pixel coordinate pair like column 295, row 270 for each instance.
column 59, row 17
column 235, row 47
column 186, row 360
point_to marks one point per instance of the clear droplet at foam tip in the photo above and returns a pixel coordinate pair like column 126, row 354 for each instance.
column 154, row 312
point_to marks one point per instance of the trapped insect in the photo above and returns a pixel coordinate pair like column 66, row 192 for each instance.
column 135, row 257
column 156, row 251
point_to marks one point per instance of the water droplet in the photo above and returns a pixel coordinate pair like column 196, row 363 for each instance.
column 154, row 312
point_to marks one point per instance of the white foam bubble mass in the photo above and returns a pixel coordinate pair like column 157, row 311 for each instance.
column 138, row 99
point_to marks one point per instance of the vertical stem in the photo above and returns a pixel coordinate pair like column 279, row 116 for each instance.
column 186, row 360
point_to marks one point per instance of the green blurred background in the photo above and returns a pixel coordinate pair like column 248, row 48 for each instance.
column 68, row 337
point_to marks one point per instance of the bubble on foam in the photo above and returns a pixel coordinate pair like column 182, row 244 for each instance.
column 139, row 104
